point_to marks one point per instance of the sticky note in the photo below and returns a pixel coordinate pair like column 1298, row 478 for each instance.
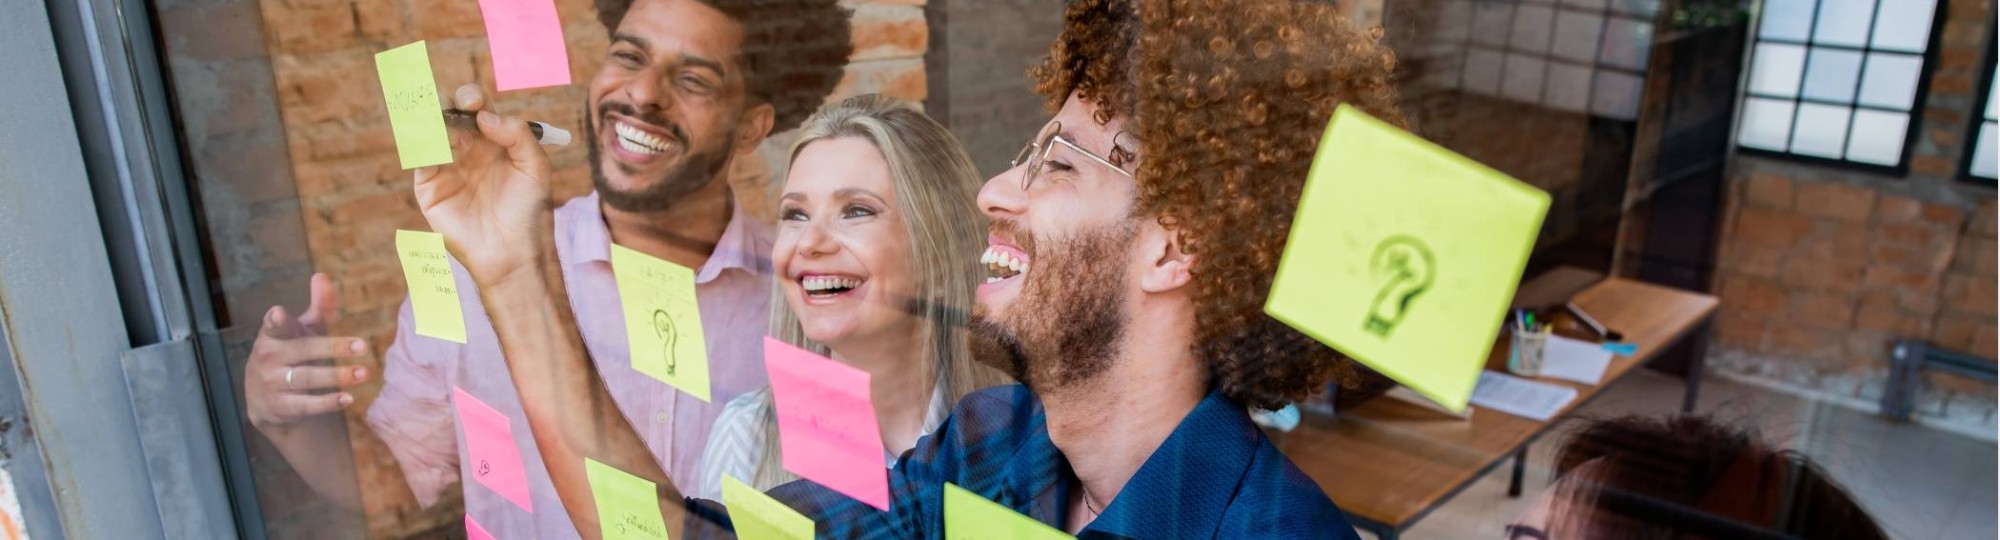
column 968, row 516
column 759, row 517
column 827, row 428
column 475, row 532
column 527, row 43
column 662, row 322
column 433, row 291
column 628, row 507
column 1404, row 255
column 415, row 116
column 489, row 442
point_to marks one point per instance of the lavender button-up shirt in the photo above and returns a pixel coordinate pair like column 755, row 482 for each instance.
column 414, row 414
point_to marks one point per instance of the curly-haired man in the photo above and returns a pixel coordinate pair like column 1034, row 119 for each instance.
column 1132, row 246
column 686, row 87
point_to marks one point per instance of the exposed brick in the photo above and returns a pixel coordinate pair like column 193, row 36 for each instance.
column 379, row 18
column 1754, row 297
column 1983, row 218
column 1806, row 343
column 440, row 19
column 1898, row 209
column 310, row 29
column 1820, row 310
column 1932, row 165
column 1913, row 234
column 1753, row 260
column 1837, row 201
column 1771, row 227
column 1960, row 332
column 1943, row 215
column 1741, row 333
column 1836, row 240
column 1836, row 275
column 1768, row 190
column 1975, row 255
column 1970, row 294
column 889, row 32
column 1899, row 278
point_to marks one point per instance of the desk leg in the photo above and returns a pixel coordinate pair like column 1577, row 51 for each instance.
column 1697, row 363
column 1520, row 468
column 1381, row 531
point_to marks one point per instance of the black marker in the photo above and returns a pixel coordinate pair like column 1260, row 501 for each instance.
column 546, row 134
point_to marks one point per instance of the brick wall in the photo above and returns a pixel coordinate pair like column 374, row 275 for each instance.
column 1820, row 268
column 296, row 172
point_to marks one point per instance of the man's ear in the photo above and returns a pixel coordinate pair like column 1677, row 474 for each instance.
column 1167, row 266
column 753, row 128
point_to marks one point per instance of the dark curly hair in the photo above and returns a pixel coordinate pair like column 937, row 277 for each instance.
column 1229, row 99
column 793, row 50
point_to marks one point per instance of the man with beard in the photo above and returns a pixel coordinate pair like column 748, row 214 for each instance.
column 687, row 86
column 1133, row 245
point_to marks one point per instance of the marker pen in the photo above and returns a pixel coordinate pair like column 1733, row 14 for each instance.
column 546, row 134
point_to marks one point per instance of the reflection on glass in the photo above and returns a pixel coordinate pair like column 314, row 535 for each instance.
column 1819, row 130
column 1891, row 80
column 1904, row 25
column 1490, row 23
column 1643, row 8
column 1568, row 87
column 1454, row 21
column 1765, row 123
column 1576, row 36
column 1844, row 22
column 1777, row 69
column 1877, row 137
column 1626, row 43
column 1616, row 96
column 1482, row 71
column 1789, row 20
column 1983, row 156
column 1531, row 28
column 1524, row 78
column 1831, row 74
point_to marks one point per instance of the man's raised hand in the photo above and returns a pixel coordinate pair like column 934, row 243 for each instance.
column 493, row 202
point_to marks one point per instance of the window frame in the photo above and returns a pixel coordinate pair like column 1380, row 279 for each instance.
column 1976, row 118
column 1611, row 9
column 1919, row 101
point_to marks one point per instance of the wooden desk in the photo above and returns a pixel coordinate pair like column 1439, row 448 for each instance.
column 1389, row 463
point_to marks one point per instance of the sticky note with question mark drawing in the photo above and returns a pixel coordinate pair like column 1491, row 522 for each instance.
column 662, row 321
column 1404, row 255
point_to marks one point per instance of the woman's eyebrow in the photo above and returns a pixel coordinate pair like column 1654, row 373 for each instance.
column 850, row 193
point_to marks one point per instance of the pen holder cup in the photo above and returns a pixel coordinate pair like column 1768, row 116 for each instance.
column 1525, row 358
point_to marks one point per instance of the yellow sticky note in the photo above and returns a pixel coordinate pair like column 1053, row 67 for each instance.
column 760, row 517
column 968, row 516
column 433, row 292
column 628, row 507
column 662, row 322
column 1405, row 255
column 414, row 113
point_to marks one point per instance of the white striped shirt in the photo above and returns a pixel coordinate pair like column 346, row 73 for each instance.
column 736, row 442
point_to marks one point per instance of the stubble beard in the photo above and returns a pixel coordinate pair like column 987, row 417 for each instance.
column 1063, row 330
column 697, row 169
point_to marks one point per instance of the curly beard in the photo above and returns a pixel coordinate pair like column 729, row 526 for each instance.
column 1064, row 328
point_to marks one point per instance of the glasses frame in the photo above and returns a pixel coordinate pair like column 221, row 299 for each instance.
column 1036, row 153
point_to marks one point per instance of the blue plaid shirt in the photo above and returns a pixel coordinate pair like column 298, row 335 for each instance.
column 1215, row 476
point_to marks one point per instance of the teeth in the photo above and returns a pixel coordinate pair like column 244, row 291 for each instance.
column 817, row 284
column 635, row 140
column 1002, row 264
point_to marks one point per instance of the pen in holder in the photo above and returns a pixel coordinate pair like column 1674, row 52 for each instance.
column 1525, row 359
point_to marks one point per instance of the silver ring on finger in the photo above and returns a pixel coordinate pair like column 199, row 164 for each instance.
column 288, row 378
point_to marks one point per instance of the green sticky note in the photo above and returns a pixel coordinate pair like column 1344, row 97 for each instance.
column 968, row 516
column 662, row 321
column 414, row 113
column 628, row 507
column 1405, row 255
column 759, row 517
column 433, row 291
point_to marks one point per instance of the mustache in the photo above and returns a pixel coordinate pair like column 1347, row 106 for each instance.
column 651, row 116
column 1012, row 231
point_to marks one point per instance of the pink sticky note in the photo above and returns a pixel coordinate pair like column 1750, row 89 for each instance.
column 489, row 442
column 475, row 532
column 527, row 43
column 827, row 428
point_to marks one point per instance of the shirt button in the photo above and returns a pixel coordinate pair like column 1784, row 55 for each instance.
column 660, row 417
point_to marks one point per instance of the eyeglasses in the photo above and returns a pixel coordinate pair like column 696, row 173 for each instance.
column 1037, row 152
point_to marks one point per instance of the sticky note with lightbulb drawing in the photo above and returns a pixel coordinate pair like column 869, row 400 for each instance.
column 1405, row 255
column 662, row 322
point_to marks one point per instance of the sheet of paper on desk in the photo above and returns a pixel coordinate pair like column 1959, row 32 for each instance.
column 1574, row 360
column 1536, row 401
column 1405, row 255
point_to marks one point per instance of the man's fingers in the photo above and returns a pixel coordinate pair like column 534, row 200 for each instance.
column 303, row 405
column 317, row 348
column 324, row 300
column 469, row 98
column 513, row 134
column 275, row 324
column 322, row 377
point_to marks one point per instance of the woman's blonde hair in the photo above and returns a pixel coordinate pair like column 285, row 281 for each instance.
column 936, row 185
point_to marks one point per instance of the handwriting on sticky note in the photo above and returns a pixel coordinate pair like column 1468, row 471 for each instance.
column 968, row 516
column 662, row 320
column 827, row 428
column 1404, row 255
column 475, row 532
column 415, row 116
column 489, row 443
column 628, row 507
column 759, row 517
column 526, row 39
column 433, row 291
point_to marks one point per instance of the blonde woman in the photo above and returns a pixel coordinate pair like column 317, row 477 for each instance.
column 876, row 260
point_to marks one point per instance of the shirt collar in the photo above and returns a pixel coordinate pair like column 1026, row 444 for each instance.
column 1192, row 477
column 745, row 243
